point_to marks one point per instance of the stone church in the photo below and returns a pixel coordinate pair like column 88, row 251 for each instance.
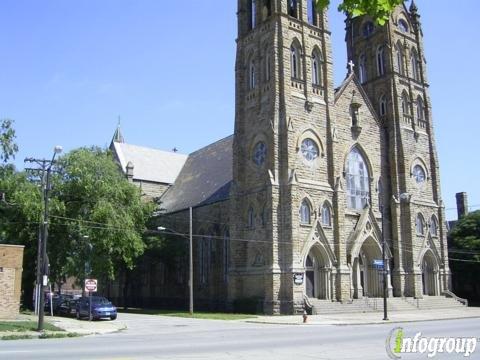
column 296, row 204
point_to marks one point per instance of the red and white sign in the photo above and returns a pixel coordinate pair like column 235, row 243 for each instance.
column 91, row 285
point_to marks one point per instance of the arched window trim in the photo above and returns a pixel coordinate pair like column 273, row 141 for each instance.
column 420, row 108
column 434, row 226
column 312, row 13
column 226, row 254
column 362, row 69
column 251, row 75
column 380, row 56
column 305, row 212
column 317, row 68
column 295, row 61
column 293, row 8
column 382, row 105
column 414, row 65
column 357, row 174
column 400, row 59
column 405, row 103
column 326, row 212
column 420, row 224
column 251, row 218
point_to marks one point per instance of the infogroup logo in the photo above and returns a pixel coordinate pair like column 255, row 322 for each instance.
column 397, row 344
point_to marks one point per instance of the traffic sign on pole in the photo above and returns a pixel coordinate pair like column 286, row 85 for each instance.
column 90, row 285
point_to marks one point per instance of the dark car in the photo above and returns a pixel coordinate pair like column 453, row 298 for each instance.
column 68, row 307
column 57, row 300
column 101, row 308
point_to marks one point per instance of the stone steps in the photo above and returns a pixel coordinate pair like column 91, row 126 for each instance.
column 376, row 305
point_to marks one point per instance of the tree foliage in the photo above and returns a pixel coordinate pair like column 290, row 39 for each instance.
column 8, row 147
column 97, row 217
column 379, row 10
column 465, row 256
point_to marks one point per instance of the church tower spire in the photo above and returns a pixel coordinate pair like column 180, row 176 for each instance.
column 118, row 136
column 392, row 70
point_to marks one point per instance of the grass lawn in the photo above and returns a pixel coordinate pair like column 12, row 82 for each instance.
column 185, row 314
column 22, row 326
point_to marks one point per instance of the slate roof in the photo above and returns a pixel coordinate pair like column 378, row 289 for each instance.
column 150, row 164
column 204, row 179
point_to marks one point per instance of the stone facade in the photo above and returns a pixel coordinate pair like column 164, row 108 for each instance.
column 320, row 176
column 283, row 98
column 11, row 262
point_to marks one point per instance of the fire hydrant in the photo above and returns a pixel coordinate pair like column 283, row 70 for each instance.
column 305, row 316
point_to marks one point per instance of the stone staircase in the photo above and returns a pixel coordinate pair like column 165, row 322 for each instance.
column 376, row 305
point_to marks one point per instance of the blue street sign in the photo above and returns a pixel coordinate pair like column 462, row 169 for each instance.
column 377, row 262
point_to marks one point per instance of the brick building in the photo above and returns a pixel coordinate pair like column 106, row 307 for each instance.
column 291, row 205
column 11, row 262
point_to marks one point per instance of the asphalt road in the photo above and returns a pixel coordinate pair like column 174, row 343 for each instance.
column 152, row 337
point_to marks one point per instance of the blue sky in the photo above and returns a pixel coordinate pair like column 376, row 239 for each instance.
column 70, row 68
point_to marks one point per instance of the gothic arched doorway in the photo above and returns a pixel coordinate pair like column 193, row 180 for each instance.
column 367, row 278
column 318, row 274
column 429, row 269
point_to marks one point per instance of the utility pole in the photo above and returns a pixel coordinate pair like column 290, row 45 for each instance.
column 42, row 265
column 190, row 265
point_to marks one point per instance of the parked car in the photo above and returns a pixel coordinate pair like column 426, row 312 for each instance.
column 68, row 307
column 101, row 308
column 57, row 300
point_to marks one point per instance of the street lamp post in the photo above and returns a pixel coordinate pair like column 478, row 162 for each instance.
column 44, row 262
column 384, row 258
column 190, row 257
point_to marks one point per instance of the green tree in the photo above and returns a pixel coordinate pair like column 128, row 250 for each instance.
column 379, row 10
column 465, row 252
column 8, row 147
column 102, row 220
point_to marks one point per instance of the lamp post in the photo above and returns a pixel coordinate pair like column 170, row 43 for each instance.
column 384, row 259
column 190, row 257
column 44, row 262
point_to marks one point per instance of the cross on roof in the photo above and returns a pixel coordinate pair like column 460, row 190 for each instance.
column 351, row 65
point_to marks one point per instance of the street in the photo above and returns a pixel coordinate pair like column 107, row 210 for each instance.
column 155, row 337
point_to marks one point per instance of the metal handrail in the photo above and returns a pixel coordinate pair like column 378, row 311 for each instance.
column 448, row 293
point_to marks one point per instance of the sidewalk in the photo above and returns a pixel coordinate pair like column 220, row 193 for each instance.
column 72, row 325
column 371, row 317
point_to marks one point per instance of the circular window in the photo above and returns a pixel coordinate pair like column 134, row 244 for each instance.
column 419, row 174
column 309, row 149
column 368, row 28
column 403, row 26
column 260, row 153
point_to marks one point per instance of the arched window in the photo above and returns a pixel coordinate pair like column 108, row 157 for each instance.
column 251, row 75
column 400, row 63
column 312, row 12
column 405, row 104
column 403, row 26
column 295, row 61
column 293, row 8
column 380, row 61
column 226, row 254
column 434, row 226
column 368, row 29
column 253, row 14
column 362, row 69
column 358, row 181
column 420, row 225
column 268, row 68
column 205, row 249
column 420, row 109
column 414, row 65
column 251, row 218
column 382, row 105
column 305, row 215
column 266, row 9
column 326, row 215
column 316, row 68
column 309, row 149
